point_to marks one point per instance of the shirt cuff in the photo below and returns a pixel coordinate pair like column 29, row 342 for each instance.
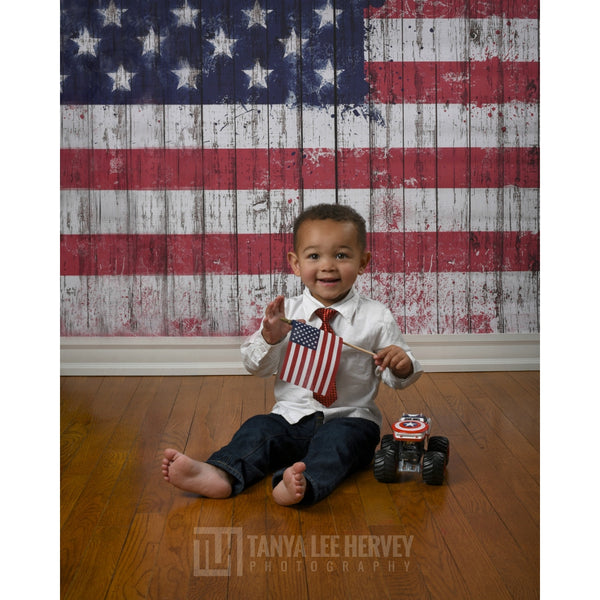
column 403, row 382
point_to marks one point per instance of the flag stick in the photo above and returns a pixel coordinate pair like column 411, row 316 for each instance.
column 358, row 348
column 289, row 322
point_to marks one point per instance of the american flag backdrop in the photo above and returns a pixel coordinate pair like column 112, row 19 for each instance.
column 193, row 132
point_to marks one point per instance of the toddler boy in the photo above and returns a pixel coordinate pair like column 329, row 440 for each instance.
column 311, row 443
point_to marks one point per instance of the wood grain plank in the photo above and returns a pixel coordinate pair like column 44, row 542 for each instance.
column 174, row 559
column 512, row 439
column 74, row 417
column 157, row 495
column 493, row 472
column 317, row 526
column 93, row 566
column 75, row 395
column 254, row 214
column 393, row 566
column 529, row 380
column 208, row 556
column 520, row 406
column 476, row 566
column 140, row 476
column 221, row 214
column 89, row 514
column 519, row 572
column 284, row 566
column 388, row 207
column 135, row 567
column 105, row 411
column 421, row 284
column 441, row 573
column 451, row 211
column 181, row 510
column 242, row 515
column 284, row 208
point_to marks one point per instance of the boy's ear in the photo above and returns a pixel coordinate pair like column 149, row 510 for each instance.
column 364, row 262
column 293, row 262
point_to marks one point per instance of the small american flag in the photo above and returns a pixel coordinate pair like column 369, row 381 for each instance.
column 312, row 358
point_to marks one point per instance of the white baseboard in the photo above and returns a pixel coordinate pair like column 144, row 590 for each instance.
column 221, row 355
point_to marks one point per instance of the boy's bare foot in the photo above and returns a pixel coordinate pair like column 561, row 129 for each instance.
column 195, row 476
column 291, row 489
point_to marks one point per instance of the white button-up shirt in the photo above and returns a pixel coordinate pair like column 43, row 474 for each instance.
column 362, row 322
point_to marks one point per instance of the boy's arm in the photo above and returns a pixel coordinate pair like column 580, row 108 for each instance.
column 398, row 367
column 273, row 328
column 396, row 359
column 261, row 352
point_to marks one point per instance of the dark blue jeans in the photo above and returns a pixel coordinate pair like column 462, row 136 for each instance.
column 268, row 443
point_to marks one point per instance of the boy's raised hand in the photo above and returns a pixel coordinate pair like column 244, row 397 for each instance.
column 274, row 329
column 396, row 359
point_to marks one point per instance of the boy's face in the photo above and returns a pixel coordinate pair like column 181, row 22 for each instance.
column 328, row 258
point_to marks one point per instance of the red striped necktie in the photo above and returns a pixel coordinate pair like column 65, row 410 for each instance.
column 325, row 314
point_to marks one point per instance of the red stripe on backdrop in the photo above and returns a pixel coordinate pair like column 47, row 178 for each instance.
column 454, row 252
column 488, row 82
column 223, row 169
column 475, row 9
column 248, row 254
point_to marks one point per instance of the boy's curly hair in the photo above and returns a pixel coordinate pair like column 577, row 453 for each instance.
column 335, row 212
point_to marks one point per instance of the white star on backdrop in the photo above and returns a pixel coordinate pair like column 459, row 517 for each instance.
column 328, row 74
column 257, row 15
column 121, row 79
column 222, row 43
column 187, row 76
column 258, row 75
column 186, row 16
column 86, row 43
column 327, row 14
column 112, row 15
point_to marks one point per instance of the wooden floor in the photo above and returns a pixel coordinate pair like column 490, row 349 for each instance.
column 126, row 533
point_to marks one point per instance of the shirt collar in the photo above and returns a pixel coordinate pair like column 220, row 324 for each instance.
column 346, row 307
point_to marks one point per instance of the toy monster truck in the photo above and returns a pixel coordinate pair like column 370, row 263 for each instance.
column 404, row 451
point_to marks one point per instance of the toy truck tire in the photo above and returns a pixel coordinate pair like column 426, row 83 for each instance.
column 434, row 465
column 384, row 467
column 439, row 443
column 387, row 440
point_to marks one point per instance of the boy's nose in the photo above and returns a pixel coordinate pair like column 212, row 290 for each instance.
column 327, row 264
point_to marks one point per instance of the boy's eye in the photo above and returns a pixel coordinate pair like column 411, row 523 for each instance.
column 313, row 256
column 341, row 255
